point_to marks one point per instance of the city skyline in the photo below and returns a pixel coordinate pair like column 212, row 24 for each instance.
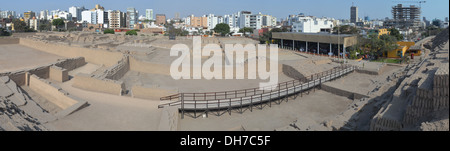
column 373, row 9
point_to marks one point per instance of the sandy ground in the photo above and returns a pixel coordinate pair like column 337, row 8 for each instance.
column 109, row 112
column 88, row 68
column 15, row 57
column 190, row 85
column 362, row 83
column 319, row 106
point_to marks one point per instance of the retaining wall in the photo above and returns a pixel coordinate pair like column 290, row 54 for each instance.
column 56, row 95
column 119, row 70
column 71, row 63
column 44, row 71
column 86, row 82
column 96, row 56
column 59, row 74
column 341, row 92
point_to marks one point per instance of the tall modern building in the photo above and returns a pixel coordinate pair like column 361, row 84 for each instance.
column 76, row 12
column 7, row 14
column 117, row 19
column 197, row 21
column 132, row 17
column 353, row 14
column 212, row 21
column 95, row 17
column 149, row 14
column 160, row 19
column 28, row 15
column 404, row 17
column 43, row 15
column 177, row 16
column 244, row 19
column 309, row 24
column 269, row 21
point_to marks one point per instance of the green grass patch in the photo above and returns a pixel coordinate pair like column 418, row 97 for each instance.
column 387, row 60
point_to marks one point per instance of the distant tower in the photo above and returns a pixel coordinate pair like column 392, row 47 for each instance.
column 177, row 16
column 353, row 14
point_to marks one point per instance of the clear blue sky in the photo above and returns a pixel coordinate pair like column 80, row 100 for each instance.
column 339, row 9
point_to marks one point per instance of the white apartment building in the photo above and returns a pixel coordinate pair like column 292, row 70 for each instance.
column 6, row 14
column 117, row 19
column 212, row 21
column 228, row 19
column 76, row 12
column 95, row 17
column 244, row 19
column 89, row 17
column 43, row 15
column 187, row 20
column 34, row 23
column 269, row 21
column 63, row 15
column 312, row 25
column 256, row 21
column 149, row 14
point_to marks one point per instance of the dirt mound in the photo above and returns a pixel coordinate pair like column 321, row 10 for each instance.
column 12, row 118
column 440, row 38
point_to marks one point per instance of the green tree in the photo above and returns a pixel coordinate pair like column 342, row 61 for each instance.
column 246, row 30
column 91, row 27
column 395, row 33
column 108, row 31
column 57, row 23
column 387, row 43
column 265, row 38
column 222, row 28
column 345, row 29
column 3, row 32
column 131, row 32
column 277, row 30
column 42, row 27
column 19, row 25
column 436, row 22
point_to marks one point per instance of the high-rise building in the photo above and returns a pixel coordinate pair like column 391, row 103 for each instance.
column 132, row 17
column 117, row 19
column 7, row 14
column 160, row 19
column 446, row 19
column 366, row 18
column 212, row 21
column 43, row 15
column 313, row 25
column 149, row 14
column 34, row 23
column 95, row 17
column 256, row 21
column 353, row 14
column 76, row 12
column 244, row 19
column 28, row 15
column 197, row 21
column 269, row 21
column 404, row 17
column 177, row 16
